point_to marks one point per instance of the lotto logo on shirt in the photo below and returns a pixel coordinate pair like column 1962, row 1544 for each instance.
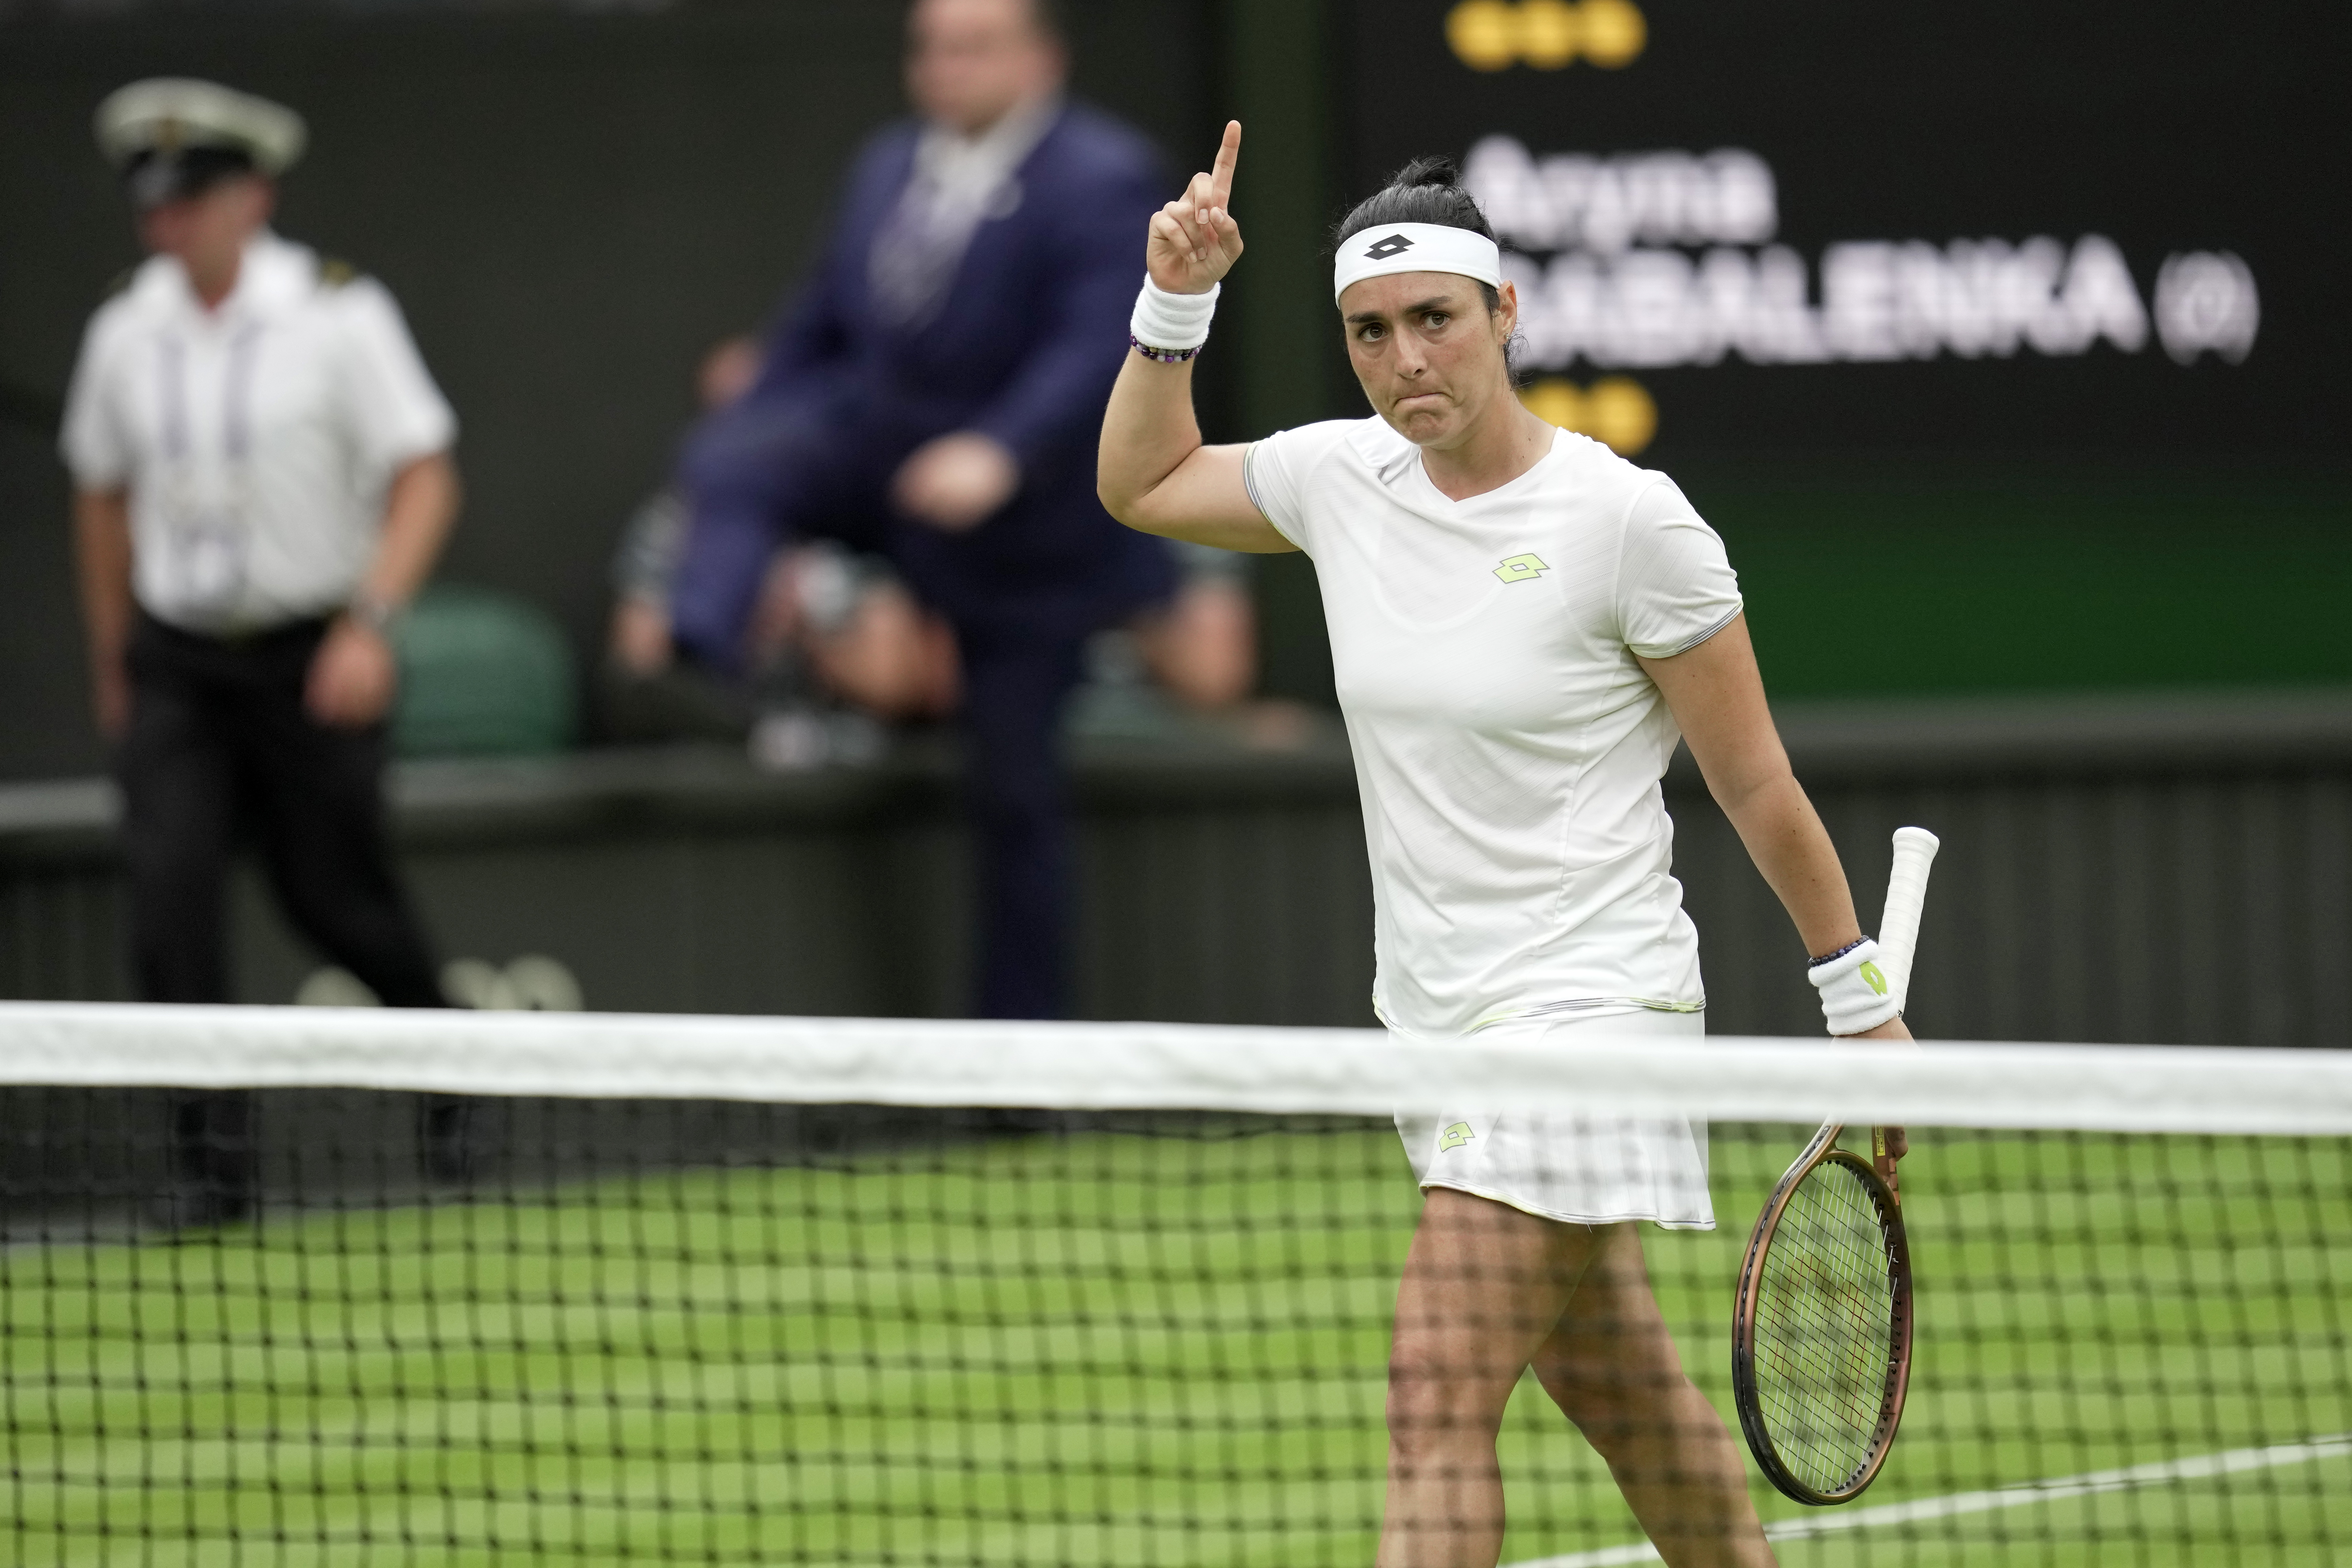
column 1519, row 568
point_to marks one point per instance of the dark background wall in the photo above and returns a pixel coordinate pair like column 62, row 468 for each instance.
column 571, row 204
column 2113, row 868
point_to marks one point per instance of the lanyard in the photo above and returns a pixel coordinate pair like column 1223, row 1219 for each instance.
column 236, row 397
column 206, row 541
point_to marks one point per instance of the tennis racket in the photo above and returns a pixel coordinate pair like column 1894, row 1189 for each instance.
column 1820, row 1350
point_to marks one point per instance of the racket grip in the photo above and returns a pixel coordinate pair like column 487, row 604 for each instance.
column 1906, row 896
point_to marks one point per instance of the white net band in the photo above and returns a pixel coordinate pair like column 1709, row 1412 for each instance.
column 1110, row 1066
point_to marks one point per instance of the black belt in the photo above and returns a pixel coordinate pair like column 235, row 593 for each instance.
column 260, row 639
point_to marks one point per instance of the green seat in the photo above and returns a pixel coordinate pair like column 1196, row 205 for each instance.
column 481, row 675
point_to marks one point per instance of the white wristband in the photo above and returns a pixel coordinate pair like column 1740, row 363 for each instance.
column 1165, row 320
column 1856, row 994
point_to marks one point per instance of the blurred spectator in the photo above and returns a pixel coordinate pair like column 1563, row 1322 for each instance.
column 648, row 561
column 846, row 626
column 932, row 399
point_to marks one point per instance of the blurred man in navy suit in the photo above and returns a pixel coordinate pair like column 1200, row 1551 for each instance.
column 934, row 395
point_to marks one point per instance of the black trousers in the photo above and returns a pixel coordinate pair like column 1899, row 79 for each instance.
column 221, row 751
column 1019, row 799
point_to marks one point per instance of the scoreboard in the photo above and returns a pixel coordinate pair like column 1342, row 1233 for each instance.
column 2097, row 225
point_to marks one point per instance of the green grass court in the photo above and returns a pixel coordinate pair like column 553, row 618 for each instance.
column 1108, row 1349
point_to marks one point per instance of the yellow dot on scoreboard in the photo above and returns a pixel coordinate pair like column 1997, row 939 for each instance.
column 1613, row 32
column 1548, row 33
column 1556, row 402
column 1484, row 33
column 1621, row 415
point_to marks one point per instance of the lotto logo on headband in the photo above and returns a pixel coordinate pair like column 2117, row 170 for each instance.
column 1418, row 248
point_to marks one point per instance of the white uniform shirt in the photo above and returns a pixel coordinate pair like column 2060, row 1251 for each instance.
column 256, row 440
column 1507, row 745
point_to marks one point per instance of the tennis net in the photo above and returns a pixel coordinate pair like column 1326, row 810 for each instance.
column 311, row 1286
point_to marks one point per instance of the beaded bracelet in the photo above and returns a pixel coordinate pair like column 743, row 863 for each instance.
column 1165, row 356
column 1840, row 952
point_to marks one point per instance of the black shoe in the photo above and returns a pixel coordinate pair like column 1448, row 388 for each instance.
column 445, row 1143
column 1024, row 1119
column 214, row 1168
column 187, row 1210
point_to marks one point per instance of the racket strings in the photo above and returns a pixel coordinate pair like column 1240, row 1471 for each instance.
column 1824, row 1328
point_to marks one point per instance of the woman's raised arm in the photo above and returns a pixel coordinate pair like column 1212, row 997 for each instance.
column 1152, row 473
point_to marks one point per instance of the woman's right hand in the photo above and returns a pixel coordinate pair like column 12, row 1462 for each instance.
column 1898, row 1142
column 1195, row 241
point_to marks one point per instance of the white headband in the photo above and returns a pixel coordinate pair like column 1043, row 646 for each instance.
column 1385, row 249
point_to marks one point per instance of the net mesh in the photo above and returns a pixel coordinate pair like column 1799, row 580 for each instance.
column 549, row 1328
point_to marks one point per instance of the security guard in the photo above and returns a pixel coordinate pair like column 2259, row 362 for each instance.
column 262, row 480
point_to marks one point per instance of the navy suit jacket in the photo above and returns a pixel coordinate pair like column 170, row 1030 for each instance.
column 1024, row 348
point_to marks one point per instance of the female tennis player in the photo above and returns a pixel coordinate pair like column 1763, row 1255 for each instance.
column 1522, row 625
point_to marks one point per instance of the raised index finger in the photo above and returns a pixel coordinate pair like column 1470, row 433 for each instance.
column 1221, row 175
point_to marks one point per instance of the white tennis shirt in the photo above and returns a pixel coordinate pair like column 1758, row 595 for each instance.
column 256, row 440
column 1507, row 745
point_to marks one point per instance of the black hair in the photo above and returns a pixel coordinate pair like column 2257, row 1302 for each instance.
column 1427, row 190
column 1048, row 17
column 155, row 175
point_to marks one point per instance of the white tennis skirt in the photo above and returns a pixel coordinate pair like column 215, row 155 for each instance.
column 1584, row 1170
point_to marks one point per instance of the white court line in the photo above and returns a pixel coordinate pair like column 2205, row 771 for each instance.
column 2025, row 1494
